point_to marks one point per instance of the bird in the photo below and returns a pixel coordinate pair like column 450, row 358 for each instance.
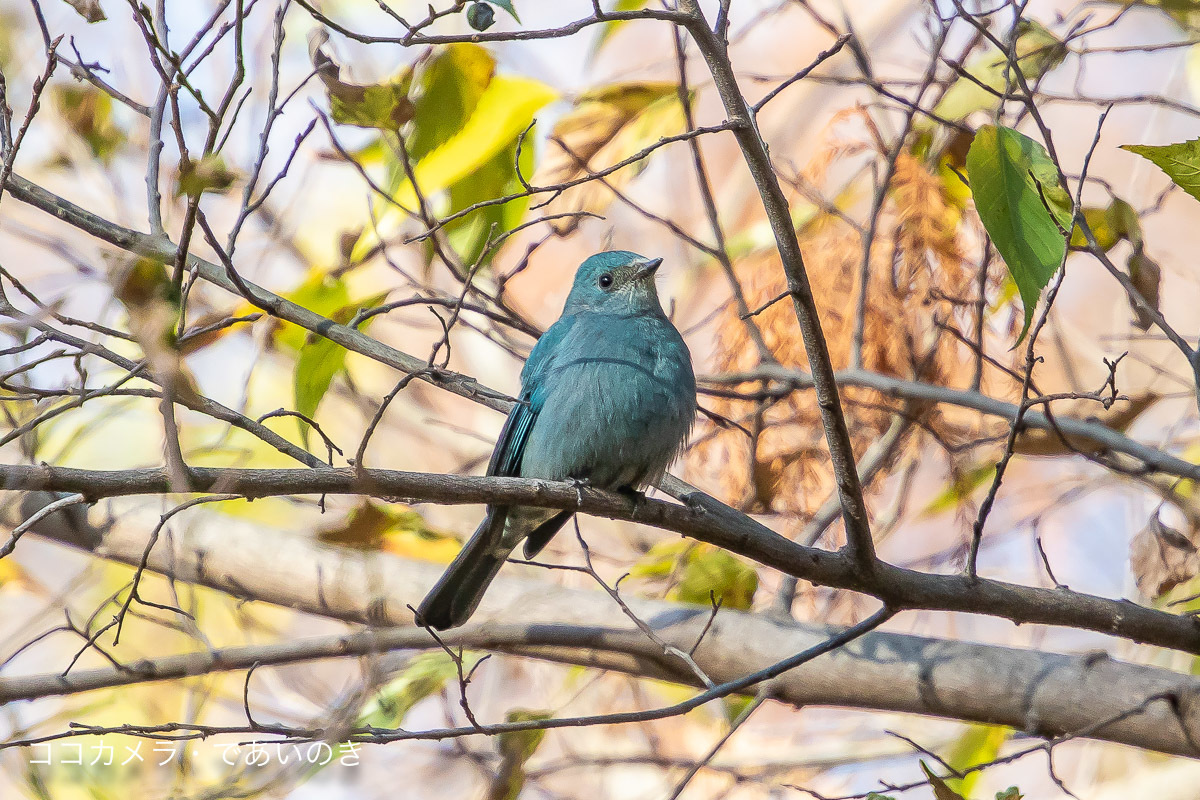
column 607, row 400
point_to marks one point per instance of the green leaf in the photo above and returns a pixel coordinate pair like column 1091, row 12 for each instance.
column 941, row 791
column 321, row 294
column 507, row 6
column 505, row 109
column 735, row 705
column 1181, row 162
column 1185, row 12
column 1011, row 793
column 1016, row 190
column 878, row 796
column 702, row 569
column 713, row 572
column 960, row 489
column 1097, row 220
column 446, row 91
column 1146, row 276
column 87, row 112
column 1038, row 51
column 320, row 360
column 469, row 234
column 424, row 676
column 519, row 746
column 208, row 175
column 1109, row 225
column 978, row 745
column 516, row 748
column 662, row 559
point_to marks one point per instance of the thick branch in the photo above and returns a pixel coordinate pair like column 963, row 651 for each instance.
column 841, row 455
column 1087, row 434
column 163, row 249
column 703, row 518
column 1042, row 693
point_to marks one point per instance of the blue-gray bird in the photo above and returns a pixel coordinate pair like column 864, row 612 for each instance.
column 607, row 398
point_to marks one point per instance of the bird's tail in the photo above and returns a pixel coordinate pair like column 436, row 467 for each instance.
column 457, row 593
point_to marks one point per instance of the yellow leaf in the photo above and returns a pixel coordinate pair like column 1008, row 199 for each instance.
column 504, row 110
column 606, row 126
column 978, row 745
column 208, row 175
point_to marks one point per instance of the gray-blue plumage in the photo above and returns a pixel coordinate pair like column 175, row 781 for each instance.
column 607, row 396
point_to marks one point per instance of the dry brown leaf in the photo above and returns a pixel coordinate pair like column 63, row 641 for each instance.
column 143, row 287
column 90, row 10
column 378, row 105
column 1162, row 558
column 915, row 264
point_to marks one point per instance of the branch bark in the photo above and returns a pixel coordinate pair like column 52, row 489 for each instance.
column 859, row 544
column 702, row 518
column 1041, row 693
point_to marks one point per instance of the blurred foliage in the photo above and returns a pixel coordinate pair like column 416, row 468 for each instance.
column 88, row 113
column 152, row 299
column 460, row 148
column 979, row 744
column 699, row 574
column 1184, row 12
column 1109, row 225
column 516, row 748
column 961, row 488
column 380, row 105
column 606, row 126
column 210, row 174
column 319, row 359
column 393, row 528
column 990, row 75
column 426, row 675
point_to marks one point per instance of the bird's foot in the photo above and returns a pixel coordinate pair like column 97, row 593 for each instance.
column 695, row 501
column 580, row 484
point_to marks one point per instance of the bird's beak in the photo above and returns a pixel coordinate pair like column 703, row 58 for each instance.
column 647, row 268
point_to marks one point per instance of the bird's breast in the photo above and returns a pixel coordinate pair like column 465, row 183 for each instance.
column 615, row 415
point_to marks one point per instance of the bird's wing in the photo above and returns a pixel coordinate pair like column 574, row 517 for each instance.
column 510, row 447
column 506, row 458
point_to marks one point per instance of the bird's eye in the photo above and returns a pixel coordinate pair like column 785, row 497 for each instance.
column 606, row 280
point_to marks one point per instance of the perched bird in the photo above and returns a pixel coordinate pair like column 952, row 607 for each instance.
column 607, row 398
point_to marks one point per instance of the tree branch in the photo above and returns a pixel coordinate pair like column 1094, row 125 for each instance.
column 859, row 544
column 1043, row 694
column 703, row 518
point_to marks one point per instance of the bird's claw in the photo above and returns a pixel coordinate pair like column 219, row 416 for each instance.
column 580, row 484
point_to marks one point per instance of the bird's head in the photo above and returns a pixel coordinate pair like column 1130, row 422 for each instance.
column 615, row 282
